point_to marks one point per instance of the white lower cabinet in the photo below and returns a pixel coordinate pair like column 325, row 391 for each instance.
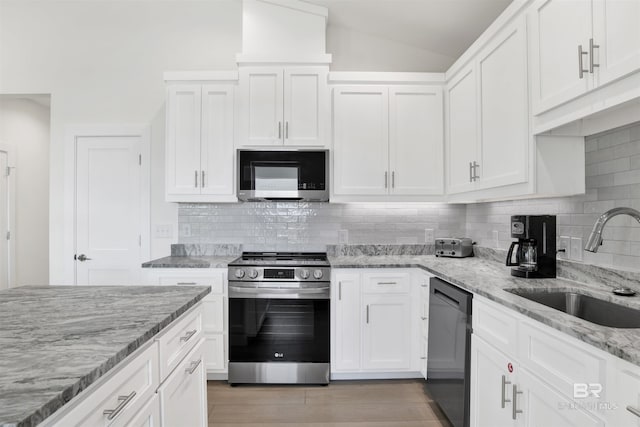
column 533, row 382
column 149, row 415
column 214, row 313
column 183, row 395
column 375, row 323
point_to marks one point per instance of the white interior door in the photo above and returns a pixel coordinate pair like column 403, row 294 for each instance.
column 108, row 210
column 4, row 221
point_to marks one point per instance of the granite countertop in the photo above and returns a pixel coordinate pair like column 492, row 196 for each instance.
column 57, row 340
column 181, row 261
column 490, row 279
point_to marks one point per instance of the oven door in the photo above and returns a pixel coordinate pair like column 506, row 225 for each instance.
column 277, row 175
column 277, row 326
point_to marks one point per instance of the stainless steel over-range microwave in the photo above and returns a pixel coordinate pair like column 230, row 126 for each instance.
column 283, row 175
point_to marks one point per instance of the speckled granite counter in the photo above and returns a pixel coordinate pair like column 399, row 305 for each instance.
column 490, row 279
column 191, row 262
column 57, row 340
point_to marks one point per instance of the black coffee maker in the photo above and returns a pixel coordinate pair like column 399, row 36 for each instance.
column 535, row 250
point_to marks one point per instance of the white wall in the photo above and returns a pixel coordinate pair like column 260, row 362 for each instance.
column 24, row 130
column 102, row 62
column 357, row 51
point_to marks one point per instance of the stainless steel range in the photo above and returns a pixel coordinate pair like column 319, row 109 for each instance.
column 279, row 309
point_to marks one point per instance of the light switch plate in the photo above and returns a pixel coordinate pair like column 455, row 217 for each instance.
column 344, row 236
column 564, row 243
column 576, row 249
column 429, row 235
column 163, row 231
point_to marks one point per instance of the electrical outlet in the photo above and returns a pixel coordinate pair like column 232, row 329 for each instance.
column 565, row 243
column 496, row 239
column 344, row 236
column 185, row 230
column 576, row 249
column 163, row 231
column 429, row 235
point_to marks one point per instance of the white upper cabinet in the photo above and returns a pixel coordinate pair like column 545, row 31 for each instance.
column 388, row 140
column 183, row 139
column 361, row 140
column 616, row 30
column 416, row 140
column 487, row 116
column 580, row 45
column 504, row 120
column 283, row 106
column 199, row 142
column 462, row 131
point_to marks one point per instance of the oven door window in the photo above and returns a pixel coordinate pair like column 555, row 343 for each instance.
column 278, row 330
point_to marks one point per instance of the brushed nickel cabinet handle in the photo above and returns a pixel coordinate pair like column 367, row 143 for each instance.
column 386, row 185
column 387, row 283
column 367, row 313
column 592, row 62
column 286, row 130
column 470, row 172
column 193, row 366
column 515, row 411
column 279, row 130
column 186, row 283
column 202, row 179
column 393, row 179
column 124, row 401
column 340, row 291
column 634, row 411
column 196, row 179
column 504, row 399
column 188, row 335
column 581, row 69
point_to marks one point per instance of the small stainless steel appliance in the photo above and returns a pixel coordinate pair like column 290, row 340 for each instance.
column 535, row 249
column 279, row 311
column 449, row 350
column 456, row 247
column 283, row 175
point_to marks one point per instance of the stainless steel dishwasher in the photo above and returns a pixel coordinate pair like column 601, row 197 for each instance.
column 449, row 350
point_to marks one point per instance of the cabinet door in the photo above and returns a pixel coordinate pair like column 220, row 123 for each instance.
column 416, row 140
column 217, row 140
column 542, row 405
column 462, row 131
column 261, row 106
column 183, row 396
column 558, row 28
column 386, row 332
column 149, row 415
column 616, row 29
column 504, row 130
column 345, row 322
column 183, row 139
column 305, row 106
column 491, row 386
column 361, row 140
column 625, row 389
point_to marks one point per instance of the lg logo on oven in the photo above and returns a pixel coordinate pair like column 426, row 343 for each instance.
column 584, row 390
column 278, row 355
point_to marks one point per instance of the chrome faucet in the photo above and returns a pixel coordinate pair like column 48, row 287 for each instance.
column 595, row 238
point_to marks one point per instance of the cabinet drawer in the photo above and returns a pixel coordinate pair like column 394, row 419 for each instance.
column 178, row 340
column 214, row 279
column 559, row 360
column 495, row 325
column 387, row 283
column 183, row 396
column 125, row 393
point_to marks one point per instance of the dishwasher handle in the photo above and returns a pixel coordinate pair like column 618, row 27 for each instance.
column 451, row 295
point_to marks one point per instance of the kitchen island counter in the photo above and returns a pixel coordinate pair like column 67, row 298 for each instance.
column 57, row 340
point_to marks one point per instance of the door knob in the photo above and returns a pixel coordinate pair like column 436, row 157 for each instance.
column 83, row 258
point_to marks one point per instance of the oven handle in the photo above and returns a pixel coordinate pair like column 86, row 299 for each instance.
column 243, row 292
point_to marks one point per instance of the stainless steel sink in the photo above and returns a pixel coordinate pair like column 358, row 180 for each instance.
column 592, row 309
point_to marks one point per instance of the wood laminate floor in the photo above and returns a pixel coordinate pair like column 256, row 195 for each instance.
column 401, row 403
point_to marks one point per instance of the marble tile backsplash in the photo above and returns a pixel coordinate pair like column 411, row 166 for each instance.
column 295, row 226
column 612, row 180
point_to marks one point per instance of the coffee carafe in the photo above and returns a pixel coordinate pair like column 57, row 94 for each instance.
column 533, row 255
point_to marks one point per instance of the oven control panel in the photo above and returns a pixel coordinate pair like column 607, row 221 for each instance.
column 280, row 274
